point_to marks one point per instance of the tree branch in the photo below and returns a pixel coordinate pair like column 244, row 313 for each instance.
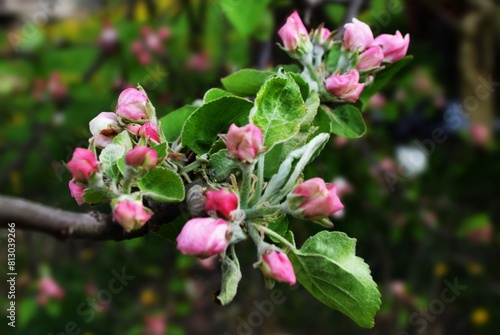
column 28, row 215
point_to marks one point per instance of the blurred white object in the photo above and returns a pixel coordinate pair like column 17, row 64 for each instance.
column 412, row 160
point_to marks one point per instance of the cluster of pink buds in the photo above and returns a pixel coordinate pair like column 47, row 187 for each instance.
column 359, row 52
column 53, row 87
column 206, row 237
column 83, row 165
column 151, row 44
column 108, row 40
column 135, row 115
column 48, row 289
column 244, row 143
column 358, row 37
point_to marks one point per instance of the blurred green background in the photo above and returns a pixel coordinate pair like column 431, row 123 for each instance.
column 422, row 205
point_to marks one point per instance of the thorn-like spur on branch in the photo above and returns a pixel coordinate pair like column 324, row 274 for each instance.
column 28, row 215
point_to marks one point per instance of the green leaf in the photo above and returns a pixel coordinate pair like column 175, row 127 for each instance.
column 170, row 230
column 215, row 93
column 328, row 268
column 303, row 85
column 280, row 151
column 163, row 185
column 245, row 16
column 279, row 110
column 173, row 122
column 381, row 79
column 112, row 152
column 221, row 166
column 231, row 276
column 161, row 150
column 92, row 196
column 246, row 82
column 346, row 120
column 27, row 310
column 279, row 225
column 207, row 122
column 332, row 59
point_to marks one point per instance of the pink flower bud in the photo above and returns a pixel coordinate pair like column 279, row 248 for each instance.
column 357, row 36
column 137, row 47
column 294, row 34
column 244, row 143
column 132, row 105
column 130, row 214
column 83, row 164
column 164, row 33
column 345, row 86
column 203, row 237
column 142, row 156
column 199, row 62
column 370, row 58
column 48, row 288
column 76, row 192
column 104, row 127
column 377, row 101
column 150, row 131
column 314, row 200
column 393, row 46
column 277, row 266
column 134, row 128
column 223, row 202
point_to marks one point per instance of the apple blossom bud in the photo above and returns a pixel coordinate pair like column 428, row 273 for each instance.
column 132, row 105
column 83, row 164
column 370, row 58
column 393, row 46
column 321, row 36
column 295, row 36
column 104, row 127
column 48, row 288
column 76, row 192
column 130, row 214
column 137, row 47
column 244, row 143
column 345, row 86
column 223, row 202
column 203, row 237
column 150, row 131
column 276, row 265
column 164, row 33
column 313, row 200
column 357, row 36
column 141, row 156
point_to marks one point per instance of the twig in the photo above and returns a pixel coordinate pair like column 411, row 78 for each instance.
column 28, row 215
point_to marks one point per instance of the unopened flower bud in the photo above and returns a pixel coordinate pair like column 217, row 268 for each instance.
column 394, row 46
column 370, row 58
column 83, row 164
column 203, row 237
column 48, row 288
column 222, row 202
column 313, row 200
column 295, row 36
column 345, row 86
column 76, row 192
column 131, row 214
column 357, row 36
column 244, row 143
column 141, row 156
column 150, row 131
column 132, row 105
column 104, row 127
column 276, row 265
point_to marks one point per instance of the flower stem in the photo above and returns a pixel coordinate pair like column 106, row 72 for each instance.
column 189, row 167
column 262, row 211
column 277, row 236
column 260, row 180
column 245, row 184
